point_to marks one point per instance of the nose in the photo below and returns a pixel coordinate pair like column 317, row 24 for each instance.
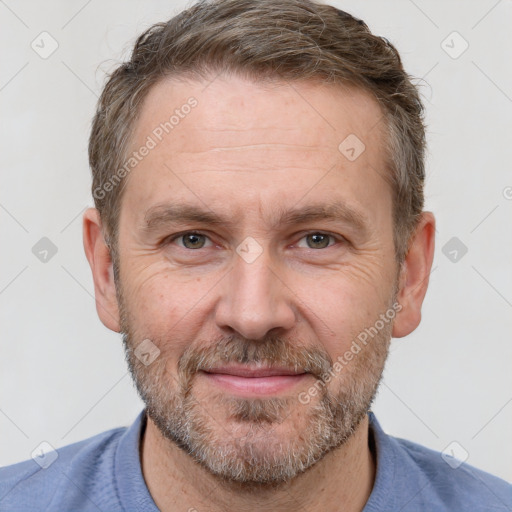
column 255, row 299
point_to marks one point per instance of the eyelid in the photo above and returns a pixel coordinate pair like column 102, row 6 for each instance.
column 337, row 238
column 177, row 236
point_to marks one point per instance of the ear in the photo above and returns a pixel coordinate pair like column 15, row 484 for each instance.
column 98, row 255
column 414, row 276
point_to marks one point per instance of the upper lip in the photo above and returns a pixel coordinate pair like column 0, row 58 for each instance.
column 252, row 372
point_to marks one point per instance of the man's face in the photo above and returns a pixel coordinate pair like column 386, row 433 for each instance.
column 253, row 253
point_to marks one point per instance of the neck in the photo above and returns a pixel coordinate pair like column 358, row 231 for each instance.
column 342, row 480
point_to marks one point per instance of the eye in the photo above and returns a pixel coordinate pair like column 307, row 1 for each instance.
column 317, row 241
column 191, row 240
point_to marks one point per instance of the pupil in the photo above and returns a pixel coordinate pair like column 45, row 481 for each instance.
column 192, row 241
column 319, row 241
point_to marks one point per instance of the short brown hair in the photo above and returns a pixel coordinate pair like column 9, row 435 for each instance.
column 264, row 39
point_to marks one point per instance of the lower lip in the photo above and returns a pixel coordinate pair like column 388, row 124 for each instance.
column 255, row 385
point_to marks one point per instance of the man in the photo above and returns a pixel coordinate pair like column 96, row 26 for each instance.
column 258, row 238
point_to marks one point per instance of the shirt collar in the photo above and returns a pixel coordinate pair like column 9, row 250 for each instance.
column 130, row 485
column 134, row 494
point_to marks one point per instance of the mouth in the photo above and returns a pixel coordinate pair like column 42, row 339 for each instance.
column 255, row 381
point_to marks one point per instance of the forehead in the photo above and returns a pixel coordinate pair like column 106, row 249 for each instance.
column 308, row 112
column 274, row 140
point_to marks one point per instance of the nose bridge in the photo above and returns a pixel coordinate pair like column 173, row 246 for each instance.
column 253, row 281
column 254, row 300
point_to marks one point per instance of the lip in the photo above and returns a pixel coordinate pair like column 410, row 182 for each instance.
column 254, row 381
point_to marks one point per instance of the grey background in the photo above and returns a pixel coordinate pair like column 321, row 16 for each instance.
column 62, row 373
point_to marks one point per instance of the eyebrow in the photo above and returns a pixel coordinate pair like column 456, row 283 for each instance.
column 162, row 215
column 335, row 211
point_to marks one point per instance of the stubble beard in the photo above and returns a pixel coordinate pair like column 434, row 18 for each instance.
column 251, row 454
column 239, row 440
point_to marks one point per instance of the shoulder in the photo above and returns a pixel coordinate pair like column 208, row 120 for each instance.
column 34, row 484
column 412, row 477
column 442, row 479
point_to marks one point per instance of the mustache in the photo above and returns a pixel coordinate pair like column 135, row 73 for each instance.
column 271, row 351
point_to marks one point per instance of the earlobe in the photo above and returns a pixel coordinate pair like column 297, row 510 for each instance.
column 100, row 261
column 414, row 276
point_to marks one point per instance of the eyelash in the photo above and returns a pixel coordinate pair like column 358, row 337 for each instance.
column 336, row 238
column 181, row 235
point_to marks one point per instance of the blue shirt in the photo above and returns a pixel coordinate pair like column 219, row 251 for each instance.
column 103, row 473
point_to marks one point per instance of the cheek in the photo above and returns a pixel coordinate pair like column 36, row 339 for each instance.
column 167, row 307
column 341, row 306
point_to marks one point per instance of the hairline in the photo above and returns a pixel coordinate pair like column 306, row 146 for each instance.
column 204, row 73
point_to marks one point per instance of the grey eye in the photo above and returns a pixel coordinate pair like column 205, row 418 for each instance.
column 193, row 240
column 318, row 240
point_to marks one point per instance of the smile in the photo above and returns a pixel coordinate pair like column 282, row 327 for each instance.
column 255, row 381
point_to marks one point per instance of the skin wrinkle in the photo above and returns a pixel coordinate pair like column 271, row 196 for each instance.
column 243, row 170
column 357, row 268
column 335, row 213
column 233, row 164
column 260, row 146
column 223, row 451
column 307, row 153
